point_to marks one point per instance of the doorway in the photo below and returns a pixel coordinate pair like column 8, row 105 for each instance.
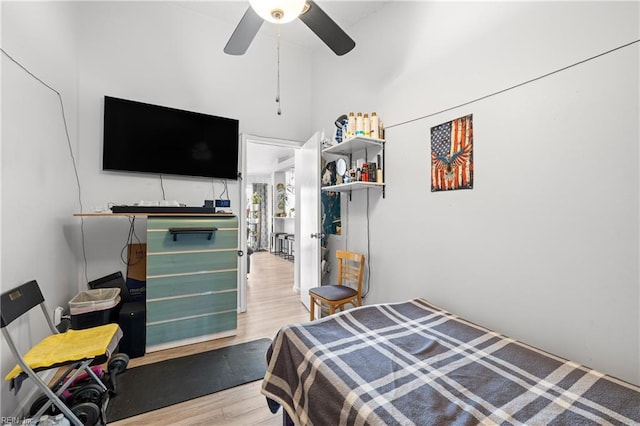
column 267, row 164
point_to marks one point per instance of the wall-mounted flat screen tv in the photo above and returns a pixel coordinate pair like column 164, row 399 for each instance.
column 140, row 137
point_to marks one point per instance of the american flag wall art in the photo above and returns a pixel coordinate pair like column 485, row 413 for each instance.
column 452, row 155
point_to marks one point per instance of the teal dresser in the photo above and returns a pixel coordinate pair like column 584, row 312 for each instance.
column 192, row 279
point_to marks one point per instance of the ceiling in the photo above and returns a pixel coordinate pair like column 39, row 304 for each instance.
column 262, row 158
column 345, row 13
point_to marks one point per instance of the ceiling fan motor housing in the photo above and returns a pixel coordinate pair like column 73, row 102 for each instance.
column 278, row 11
column 277, row 14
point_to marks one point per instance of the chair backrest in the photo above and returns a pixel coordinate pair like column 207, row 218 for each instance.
column 115, row 280
column 350, row 269
column 18, row 301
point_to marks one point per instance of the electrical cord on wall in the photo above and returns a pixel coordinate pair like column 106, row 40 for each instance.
column 465, row 104
column 514, row 86
column 164, row 197
column 368, row 263
column 130, row 240
column 213, row 189
column 73, row 159
column 225, row 189
column 368, row 256
column 346, row 237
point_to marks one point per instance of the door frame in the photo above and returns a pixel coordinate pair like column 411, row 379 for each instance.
column 242, row 220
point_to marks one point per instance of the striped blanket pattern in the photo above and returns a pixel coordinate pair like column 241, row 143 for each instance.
column 414, row 363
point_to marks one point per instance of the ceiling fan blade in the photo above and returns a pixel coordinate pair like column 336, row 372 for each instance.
column 244, row 33
column 328, row 31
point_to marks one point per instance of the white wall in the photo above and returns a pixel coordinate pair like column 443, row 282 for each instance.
column 164, row 53
column 161, row 53
column 545, row 247
column 40, row 238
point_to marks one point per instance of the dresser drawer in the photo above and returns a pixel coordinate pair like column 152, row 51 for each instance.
column 176, row 263
column 160, row 287
column 161, row 239
column 192, row 279
column 162, row 222
column 172, row 309
column 161, row 333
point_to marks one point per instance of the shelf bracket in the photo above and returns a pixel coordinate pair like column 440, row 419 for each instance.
column 207, row 230
column 384, row 168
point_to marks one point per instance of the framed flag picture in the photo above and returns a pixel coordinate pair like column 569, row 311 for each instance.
column 452, row 155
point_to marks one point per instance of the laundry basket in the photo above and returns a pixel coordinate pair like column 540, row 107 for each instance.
column 92, row 308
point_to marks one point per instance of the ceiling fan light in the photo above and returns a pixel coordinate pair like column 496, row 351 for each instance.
column 278, row 11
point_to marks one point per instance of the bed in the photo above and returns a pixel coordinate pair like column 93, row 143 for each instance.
column 414, row 363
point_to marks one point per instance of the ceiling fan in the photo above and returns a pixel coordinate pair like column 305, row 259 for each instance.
column 283, row 11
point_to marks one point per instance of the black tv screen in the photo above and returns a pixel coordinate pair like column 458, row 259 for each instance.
column 140, row 137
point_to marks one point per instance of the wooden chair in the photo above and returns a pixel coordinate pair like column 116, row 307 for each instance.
column 348, row 289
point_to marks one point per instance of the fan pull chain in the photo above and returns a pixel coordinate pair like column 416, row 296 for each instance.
column 278, row 83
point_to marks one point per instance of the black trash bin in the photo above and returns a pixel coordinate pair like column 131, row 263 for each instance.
column 92, row 308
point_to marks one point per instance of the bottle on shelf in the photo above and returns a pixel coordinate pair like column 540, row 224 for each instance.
column 366, row 124
column 373, row 172
column 375, row 123
column 351, row 126
column 359, row 125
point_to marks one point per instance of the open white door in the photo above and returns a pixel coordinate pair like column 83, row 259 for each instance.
column 307, row 243
column 242, row 229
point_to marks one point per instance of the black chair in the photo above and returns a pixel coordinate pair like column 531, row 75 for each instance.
column 78, row 349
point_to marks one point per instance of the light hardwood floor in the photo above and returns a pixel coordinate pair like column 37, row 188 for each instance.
column 271, row 303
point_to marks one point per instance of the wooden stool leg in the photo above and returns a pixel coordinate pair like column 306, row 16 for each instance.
column 312, row 309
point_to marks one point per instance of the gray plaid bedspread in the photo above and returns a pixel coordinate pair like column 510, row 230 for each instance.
column 414, row 363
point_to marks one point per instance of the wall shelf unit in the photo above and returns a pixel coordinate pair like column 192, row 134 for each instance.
column 354, row 145
column 353, row 186
column 368, row 148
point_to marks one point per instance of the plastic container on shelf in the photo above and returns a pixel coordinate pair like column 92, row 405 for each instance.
column 351, row 126
column 359, row 124
column 92, row 308
column 375, row 124
column 366, row 125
